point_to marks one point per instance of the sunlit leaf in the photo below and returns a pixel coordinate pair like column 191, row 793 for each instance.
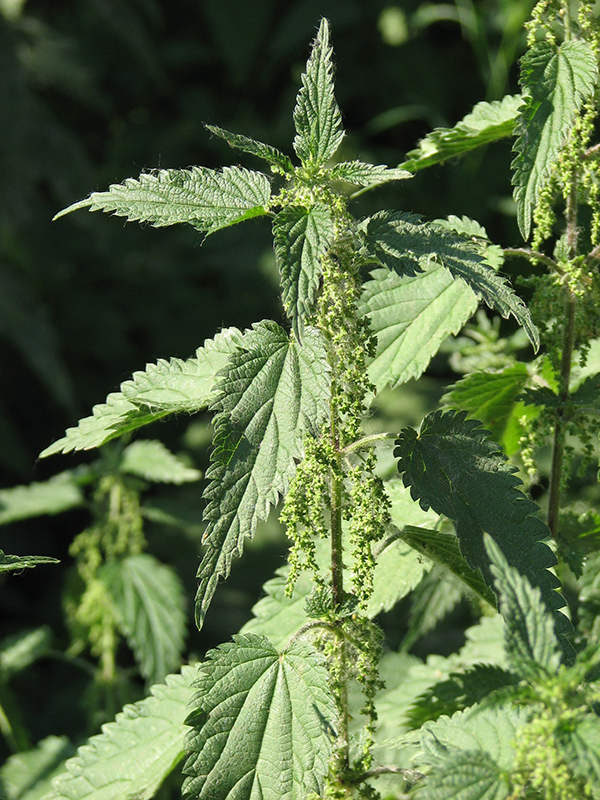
column 557, row 81
column 301, row 238
column 205, row 198
column 267, row 152
column 60, row 493
column 262, row 723
column 412, row 316
column 317, row 116
column 406, row 244
column 531, row 644
column 486, row 123
column 134, row 754
column 164, row 388
column 275, row 391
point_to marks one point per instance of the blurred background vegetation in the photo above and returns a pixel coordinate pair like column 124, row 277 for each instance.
column 95, row 91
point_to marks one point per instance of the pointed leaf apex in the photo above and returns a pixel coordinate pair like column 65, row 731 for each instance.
column 317, row 116
column 73, row 207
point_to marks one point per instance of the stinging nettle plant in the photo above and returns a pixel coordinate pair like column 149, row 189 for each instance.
column 294, row 706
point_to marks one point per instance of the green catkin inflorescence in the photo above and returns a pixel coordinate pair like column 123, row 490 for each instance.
column 117, row 532
column 541, row 772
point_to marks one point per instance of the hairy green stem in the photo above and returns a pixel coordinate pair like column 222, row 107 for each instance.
column 337, row 589
column 534, row 255
column 568, row 341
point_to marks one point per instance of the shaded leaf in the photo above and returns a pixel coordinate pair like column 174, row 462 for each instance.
column 443, row 549
column 60, row 493
column 205, row 198
column 150, row 459
column 134, row 754
column 486, row 123
column 458, row 692
column 557, row 80
column 25, row 322
column 433, row 599
column 167, row 387
column 268, row 153
column 406, row 244
column 301, row 236
column 531, row 644
column 317, row 116
column 262, row 724
column 28, row 775
column 150, row 605
column 275, row 391
column 587, row 393
column 22, row 649
column 454, row 467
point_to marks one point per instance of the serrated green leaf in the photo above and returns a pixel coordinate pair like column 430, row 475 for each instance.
column 531, row 644
column 59, row 493
column 458, row 692
column 406, row 244
column 150, row 605
column 467, row 776
column 490, row 730
column 28, row 775
column 21, row 649
column 581, row 745
column 134, row 754
column 411, row 317
column 167, row 387
column 486, row 123
column 557, row 81
column 317, row 117
column 587, row 393
column 443, row 548
column 276, row 615
column 491, row 396
column 18, row 563
column 275, row 391
column 150, row 459
column 361, row 174
column 262, row 724
column 301, row 236
column 205, row 198
column 267, row 152
column 433, row 599
column 413, row 677
column 454, row 467
column 492, row 254
column 398, row 569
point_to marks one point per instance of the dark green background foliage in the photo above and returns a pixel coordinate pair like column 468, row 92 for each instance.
column 92, row 91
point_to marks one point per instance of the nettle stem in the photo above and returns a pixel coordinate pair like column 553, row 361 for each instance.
column 342, row 753
column 568, row 341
